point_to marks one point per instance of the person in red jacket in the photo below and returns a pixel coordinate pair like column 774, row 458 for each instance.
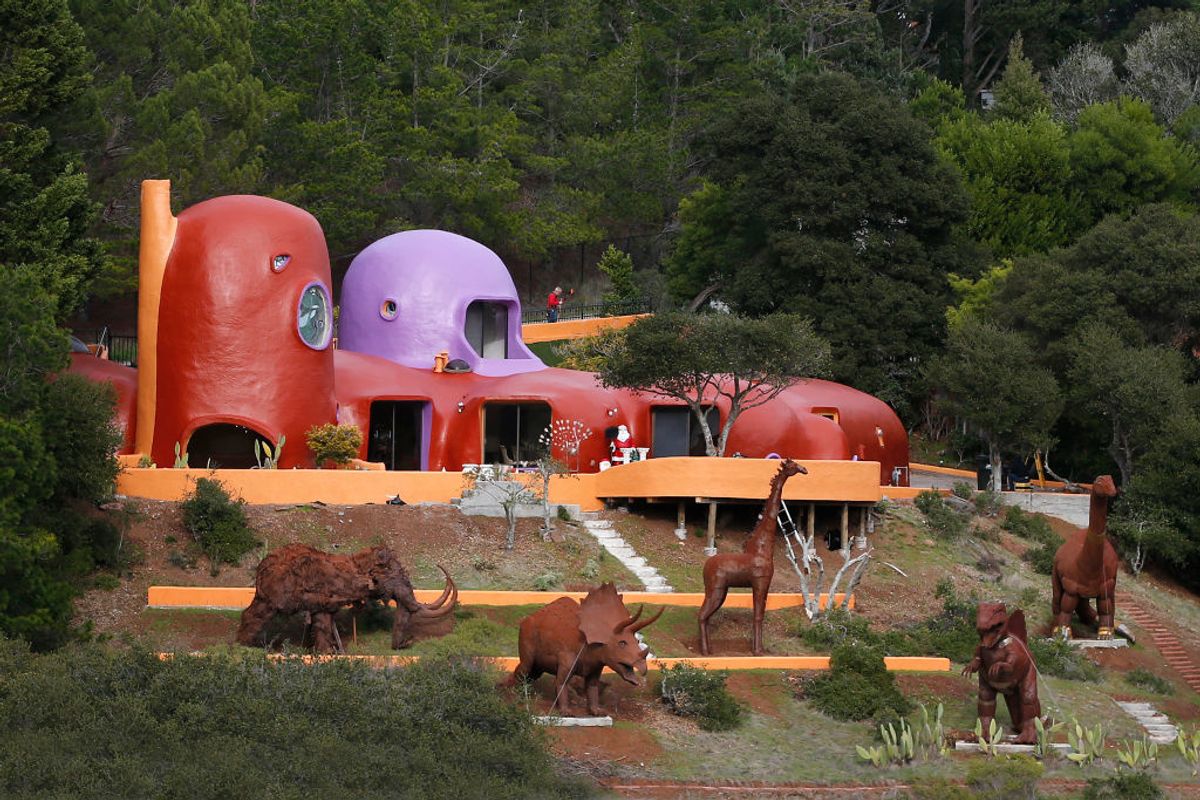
column 553, row 301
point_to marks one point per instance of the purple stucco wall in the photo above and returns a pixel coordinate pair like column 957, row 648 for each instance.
column 432, row 276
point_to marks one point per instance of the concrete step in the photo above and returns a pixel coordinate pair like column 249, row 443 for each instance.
column 643, row 572
column 622, row 553
column 604, row 533
column 597, row 524
column 635, row 561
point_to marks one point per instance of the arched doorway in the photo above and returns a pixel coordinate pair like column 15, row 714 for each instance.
column 223, row 445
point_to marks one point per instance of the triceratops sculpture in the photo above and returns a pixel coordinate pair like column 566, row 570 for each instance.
column 1005, row 666
column 300, row 578
column 567, row 638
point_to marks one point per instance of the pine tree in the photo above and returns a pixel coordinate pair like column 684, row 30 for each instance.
column 1019, row 93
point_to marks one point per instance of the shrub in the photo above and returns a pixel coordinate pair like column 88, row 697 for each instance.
column 942, row 520
column 336, row 443
column 590, row 570
column 963, row 489
column 132, row 725
column 1041, row 558
column 547, row 581
column 563, row 514
column 1030, row 527
column 693, row 692
column 78, row 429
column 857, row 686
column 938, row 789
column 927, row 500
column 1148, row 681
column 1012, row 778
column 1123, row 786
column 988, row 504
column 1062, row 660
column 218, row 522
column 950, row 634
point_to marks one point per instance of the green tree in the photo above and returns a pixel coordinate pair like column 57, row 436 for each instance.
column 1137, row 275
column 832, row 204
column 623, row 287
column 700, row 358
column 45, row 210
column 989, row 377
column 1019, row 176
column 1120, row 159
column 1019, row 93
column 1136, row 389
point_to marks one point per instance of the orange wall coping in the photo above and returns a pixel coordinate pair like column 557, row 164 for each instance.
column 332, row 486
column 574, row 328
column 740, row 478
column 966, row 473
column 893, row 663
column 238, row 597
column 684, row 478
column 958, row 473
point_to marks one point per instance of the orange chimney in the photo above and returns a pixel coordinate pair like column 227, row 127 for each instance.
column 158, row 234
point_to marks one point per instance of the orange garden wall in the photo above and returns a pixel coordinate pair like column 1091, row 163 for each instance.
column 741, row 478
column 575, row 328
column 238, row 597
column 683, row 478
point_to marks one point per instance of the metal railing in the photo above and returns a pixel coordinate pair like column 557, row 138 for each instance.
column 121, row 349
column 569, row 310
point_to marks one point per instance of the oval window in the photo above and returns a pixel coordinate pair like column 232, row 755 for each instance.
column 388, row 310
column 313, row 318
column 279, row 262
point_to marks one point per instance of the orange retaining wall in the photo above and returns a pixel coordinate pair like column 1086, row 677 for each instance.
column 575, row 328
column 740, row 478
column 683, row 478
column 238, row 597
column 506, row 663
column 335, row 487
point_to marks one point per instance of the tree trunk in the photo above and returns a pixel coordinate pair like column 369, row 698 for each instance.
column 997, row 468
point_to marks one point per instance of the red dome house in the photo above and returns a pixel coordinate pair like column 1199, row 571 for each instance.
column 235, row 345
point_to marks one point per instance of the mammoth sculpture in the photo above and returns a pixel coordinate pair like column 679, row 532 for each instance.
column 1085, row 566
column 300, row 578
column 567, row 638
column 753, row 568
column 1006, row 667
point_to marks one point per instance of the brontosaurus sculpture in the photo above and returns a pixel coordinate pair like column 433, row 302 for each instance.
column 297, row 577
column 1085, row 566
column 753, row 567
column 1005, row 666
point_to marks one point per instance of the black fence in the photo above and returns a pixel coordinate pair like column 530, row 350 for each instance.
column 121, row 349
column 569, row 310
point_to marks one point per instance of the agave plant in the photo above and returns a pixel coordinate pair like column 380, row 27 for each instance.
column 1137, row 753
column 1189, row 748
column 1087, row 744
column 991, row 738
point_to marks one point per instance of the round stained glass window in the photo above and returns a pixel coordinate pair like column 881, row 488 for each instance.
column 388, row 309
column 313, row 318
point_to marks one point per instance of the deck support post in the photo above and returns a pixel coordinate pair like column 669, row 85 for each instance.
column 681, row 521
column 711, row 550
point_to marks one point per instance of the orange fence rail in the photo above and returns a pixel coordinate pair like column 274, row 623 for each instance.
column 732, row 663
column 238, row 597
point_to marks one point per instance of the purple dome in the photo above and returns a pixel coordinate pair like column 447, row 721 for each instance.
column 412, row 295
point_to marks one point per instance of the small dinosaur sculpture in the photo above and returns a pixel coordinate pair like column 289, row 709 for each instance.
column 1005, row 666
column 753, row 567
column 1085, row 566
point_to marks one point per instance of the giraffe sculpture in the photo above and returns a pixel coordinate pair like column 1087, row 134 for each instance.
column 1085, row 566
column 753, row 567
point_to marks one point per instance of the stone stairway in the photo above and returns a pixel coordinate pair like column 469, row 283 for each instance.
column 1158, row 726
column 1167, row 643
column 611, row 541
column 487, row 497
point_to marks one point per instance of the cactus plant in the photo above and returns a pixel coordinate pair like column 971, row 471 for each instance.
column 1087, row 744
